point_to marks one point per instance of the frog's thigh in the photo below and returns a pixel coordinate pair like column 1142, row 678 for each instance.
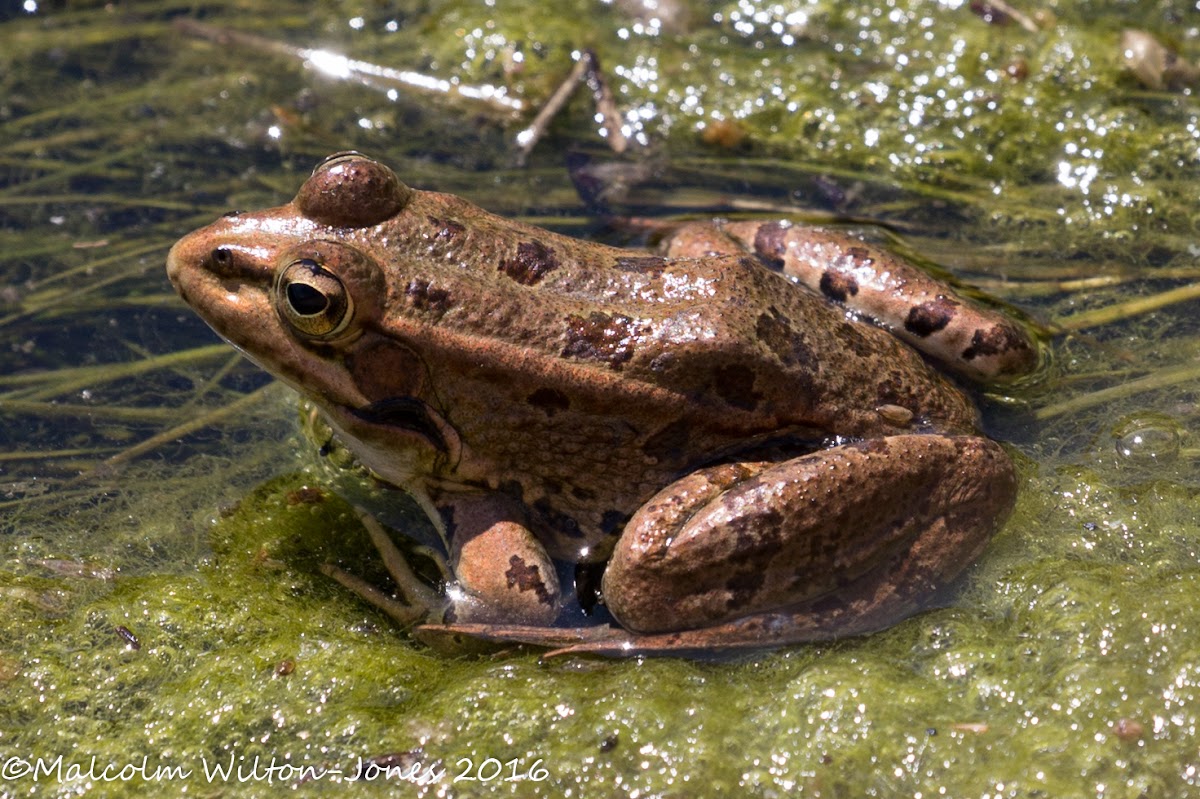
column 819, row 529
column 502, row 571
column 699, row 240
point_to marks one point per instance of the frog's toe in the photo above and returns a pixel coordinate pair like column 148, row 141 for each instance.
column 464, row 637
column 415, row 591
column 404, row 613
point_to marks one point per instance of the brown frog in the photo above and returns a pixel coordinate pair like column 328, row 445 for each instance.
column 713, row 426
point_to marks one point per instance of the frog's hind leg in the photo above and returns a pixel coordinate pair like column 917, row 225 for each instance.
column 837, row 542
column 977, row 342
column 502, row 572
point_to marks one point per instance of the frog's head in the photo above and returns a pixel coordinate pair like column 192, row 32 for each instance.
column 288, row 288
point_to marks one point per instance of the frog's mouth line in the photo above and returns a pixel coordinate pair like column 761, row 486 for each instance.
column 407, row 413
column 394, row 437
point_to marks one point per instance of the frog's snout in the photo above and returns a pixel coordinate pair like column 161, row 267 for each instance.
column 180, row 259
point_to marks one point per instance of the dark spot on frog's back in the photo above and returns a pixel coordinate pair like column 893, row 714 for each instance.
column 770, row 241
column 743, row 588
column 852, row 340
column 425, row 297
column 995, row 340
column 772, row 329
column 532, row 262
column 735, row 384
column 777, row 333
column 758, row 530
column 838, row 286
column 599, row 337
column 549, row 400
column 930, row 317
column 891, row 391
column 669, row 443
column 447, row 229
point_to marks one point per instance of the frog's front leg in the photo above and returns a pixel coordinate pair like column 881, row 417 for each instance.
column 840, row 541
column 502, row 572
column 498, row 571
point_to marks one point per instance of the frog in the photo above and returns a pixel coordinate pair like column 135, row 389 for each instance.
column 754, row 434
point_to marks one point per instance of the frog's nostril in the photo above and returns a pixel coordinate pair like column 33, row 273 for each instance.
column 221, row 261
column 221, row 257
column 232, row 213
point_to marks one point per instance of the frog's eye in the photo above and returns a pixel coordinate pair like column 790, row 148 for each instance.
column 312, row 300
column 350, row 190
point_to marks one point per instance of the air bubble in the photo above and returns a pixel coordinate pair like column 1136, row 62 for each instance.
column 1148, row 441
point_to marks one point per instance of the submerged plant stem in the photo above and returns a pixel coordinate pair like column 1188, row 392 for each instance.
column 66, row 381
column 1129, row 309
column 1151, row 382
column 192, row 425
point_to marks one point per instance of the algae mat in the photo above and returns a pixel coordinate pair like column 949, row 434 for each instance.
column 163, row 514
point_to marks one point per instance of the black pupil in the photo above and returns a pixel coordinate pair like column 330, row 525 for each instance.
column 306, row 300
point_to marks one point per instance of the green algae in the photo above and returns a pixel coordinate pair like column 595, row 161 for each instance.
column 1065, row 664
column 1044, row 699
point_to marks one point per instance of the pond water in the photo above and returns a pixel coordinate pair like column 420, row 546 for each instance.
column 163, row 514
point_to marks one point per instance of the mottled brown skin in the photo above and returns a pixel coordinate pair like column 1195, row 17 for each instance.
column 924, row 313
column 538, row 393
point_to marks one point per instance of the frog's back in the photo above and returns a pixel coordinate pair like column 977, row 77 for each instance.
column 742, row 346
column 753, row 345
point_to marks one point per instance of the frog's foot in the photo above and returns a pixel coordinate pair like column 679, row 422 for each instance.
column 460, row 637
column 418, row 602
column 852, row 616
column 871, row 606
column 405, row 614
column 605, row 639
